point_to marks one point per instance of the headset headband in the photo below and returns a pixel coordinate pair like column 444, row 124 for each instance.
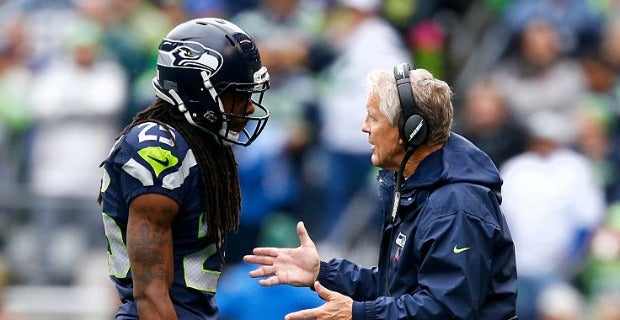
column 405, row 94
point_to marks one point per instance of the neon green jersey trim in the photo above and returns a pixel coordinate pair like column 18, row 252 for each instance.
column 160, row 159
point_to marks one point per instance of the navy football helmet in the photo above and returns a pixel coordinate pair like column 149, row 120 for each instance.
column 203, row 60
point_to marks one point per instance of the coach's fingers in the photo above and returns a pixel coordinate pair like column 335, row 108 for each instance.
column 304, row 237
column 266, row 251
column 263, row 271
column 323, row 292
column 271, row 281
column 262, row 260
column 303, row 314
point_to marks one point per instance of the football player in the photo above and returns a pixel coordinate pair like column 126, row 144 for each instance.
column 170, row 188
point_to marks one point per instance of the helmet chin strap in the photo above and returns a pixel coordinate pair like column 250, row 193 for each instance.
column 181, row 106
column 178, row 102
column 224, row 131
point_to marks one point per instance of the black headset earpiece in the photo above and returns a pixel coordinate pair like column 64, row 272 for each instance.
column 411, row 125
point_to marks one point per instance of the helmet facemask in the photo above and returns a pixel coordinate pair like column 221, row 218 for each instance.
column 243, row 115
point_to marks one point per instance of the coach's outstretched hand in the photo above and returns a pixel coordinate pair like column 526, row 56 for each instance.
column 294, row 266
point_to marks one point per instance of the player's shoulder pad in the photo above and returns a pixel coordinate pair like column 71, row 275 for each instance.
column 159, row 146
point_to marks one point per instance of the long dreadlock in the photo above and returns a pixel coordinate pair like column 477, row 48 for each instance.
column 221, row 199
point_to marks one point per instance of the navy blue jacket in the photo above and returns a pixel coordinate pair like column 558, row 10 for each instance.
column 447, row 255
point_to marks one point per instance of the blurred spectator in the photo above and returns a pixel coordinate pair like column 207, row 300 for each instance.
column 577, row 22
column 601, row 277
column 75, row 102
column 132, row 31
column 363, row 41
column 237, row 6
column 605, row 306
column 404, row 14
column 270, row 174
column 47, row 24
column 267, row 183
column 427, row 41
column 560, row 301
column 598, row 122
column 552, row 202
column 487, row 121
column 4, row 282
column 5, row 279
column 610, row 42
column 76, row 105
column 539, row 76
column 15, row 114
column 593, row 125
column 202, row 8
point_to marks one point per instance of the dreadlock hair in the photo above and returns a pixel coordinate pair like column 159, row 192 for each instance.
column 221, row 198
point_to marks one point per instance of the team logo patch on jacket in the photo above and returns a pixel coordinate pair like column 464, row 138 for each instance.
column 400, row 242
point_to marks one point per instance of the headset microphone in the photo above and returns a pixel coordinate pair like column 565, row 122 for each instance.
column 395, row 203
column 399, row 178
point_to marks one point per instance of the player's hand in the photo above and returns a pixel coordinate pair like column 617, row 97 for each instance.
column 295, row 266
column 336, row 307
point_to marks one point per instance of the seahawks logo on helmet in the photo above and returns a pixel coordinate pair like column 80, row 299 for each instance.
column 189, row 54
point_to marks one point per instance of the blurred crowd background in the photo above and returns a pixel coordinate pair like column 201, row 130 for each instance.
column 535, row 85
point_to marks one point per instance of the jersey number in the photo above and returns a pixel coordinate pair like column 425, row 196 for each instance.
column 145, row 136
column 196, row 276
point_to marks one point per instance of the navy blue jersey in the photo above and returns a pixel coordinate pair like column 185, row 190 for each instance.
column 147, row 159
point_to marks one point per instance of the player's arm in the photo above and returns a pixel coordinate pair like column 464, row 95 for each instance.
column 149, row 244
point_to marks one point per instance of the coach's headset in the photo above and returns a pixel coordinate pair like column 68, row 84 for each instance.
column 411, row 125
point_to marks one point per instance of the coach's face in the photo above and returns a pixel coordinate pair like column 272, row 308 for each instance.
column 386, row 145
